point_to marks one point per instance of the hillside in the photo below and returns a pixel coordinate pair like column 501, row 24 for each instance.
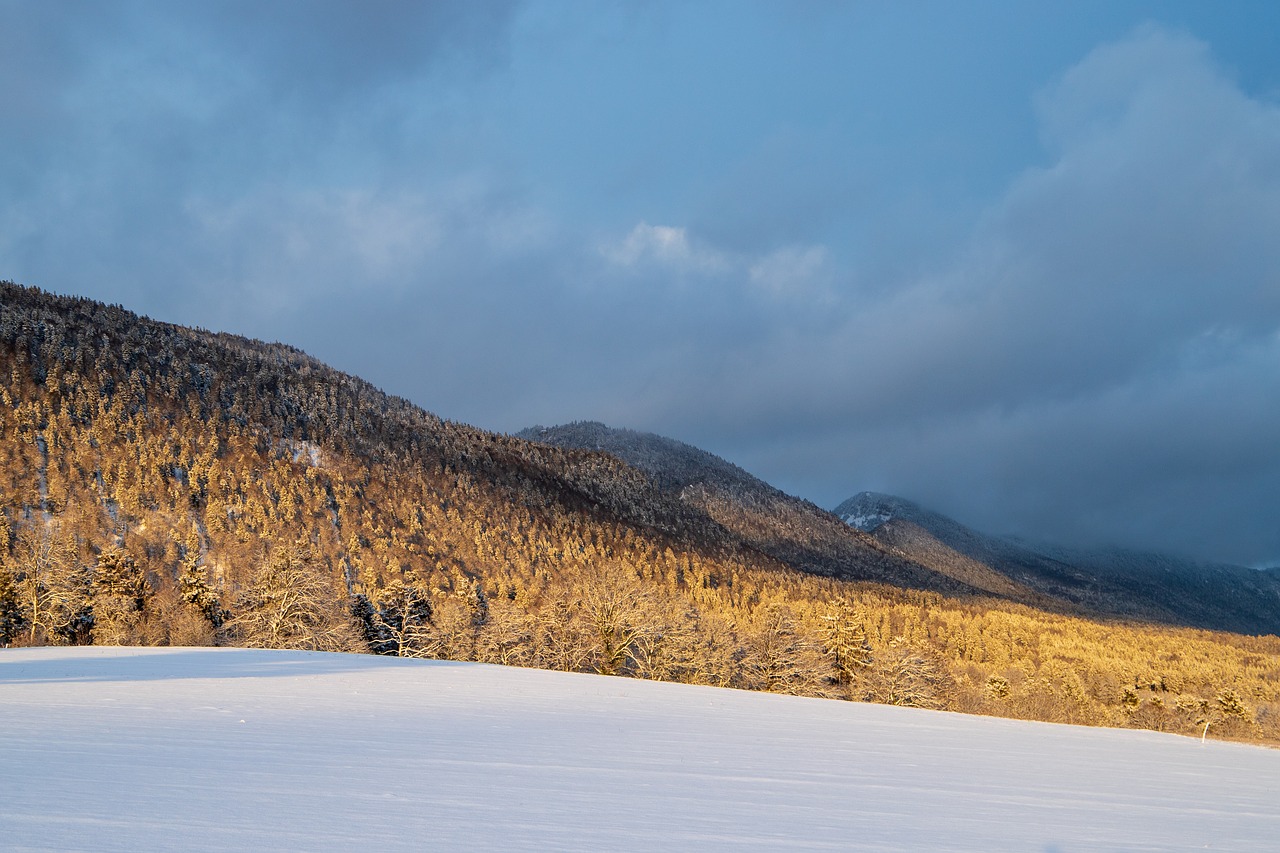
column 233, row 750
column 220, row 430
column 1124, row 583
column 164, row 485
column 788, row 529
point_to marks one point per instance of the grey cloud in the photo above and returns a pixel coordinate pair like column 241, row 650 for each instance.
column 143, row 132
column 324, row 49
column 1145, row 235
column 1100, row 361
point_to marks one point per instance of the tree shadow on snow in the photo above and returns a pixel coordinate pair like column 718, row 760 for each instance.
column 90, row 663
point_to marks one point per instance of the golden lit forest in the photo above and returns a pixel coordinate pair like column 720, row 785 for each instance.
column 165, row 485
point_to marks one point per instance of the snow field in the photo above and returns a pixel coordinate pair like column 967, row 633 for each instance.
column 241, row 750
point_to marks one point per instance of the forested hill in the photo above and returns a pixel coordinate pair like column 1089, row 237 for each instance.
column 199, row 456
column 791, row 530
column 205, row 453
column 166, row 485
column 106, row 370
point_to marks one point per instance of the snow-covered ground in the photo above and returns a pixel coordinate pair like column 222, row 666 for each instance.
column 236, row 750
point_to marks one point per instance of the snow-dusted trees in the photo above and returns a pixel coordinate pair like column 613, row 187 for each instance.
column 781, row 657
column 11, row 620
column 845, row 642
column 120, row 595
column 400, row 622
column 193, row 455
column 905, row 675
column 53, row 585
column 194, row 588
column 287, row 603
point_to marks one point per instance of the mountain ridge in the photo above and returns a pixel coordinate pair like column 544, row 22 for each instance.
column 793, row 530
column 1122, row 582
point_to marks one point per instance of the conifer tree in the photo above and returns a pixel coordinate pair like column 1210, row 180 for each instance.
column 120, row 594
column 12, row 620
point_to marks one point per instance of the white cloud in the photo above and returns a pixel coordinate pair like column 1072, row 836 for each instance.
column 667, row 246
column 798, row 275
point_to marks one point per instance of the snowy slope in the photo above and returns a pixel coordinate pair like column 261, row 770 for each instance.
column 237, row 750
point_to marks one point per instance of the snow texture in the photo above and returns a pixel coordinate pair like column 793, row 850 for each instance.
column 866, row 522
column 236, row 750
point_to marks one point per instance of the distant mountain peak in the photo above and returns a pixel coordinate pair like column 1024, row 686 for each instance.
column 1117, row 581
column 867, row 511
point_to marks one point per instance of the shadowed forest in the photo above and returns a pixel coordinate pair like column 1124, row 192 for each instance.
column 170, row 486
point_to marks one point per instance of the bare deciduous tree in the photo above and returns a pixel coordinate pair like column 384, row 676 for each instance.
column 668, row 650
column 779, row 658
column 288, row 604
column 561, row 638
column 53, row 584
column 615, row 605
column 508, row 634
column 401, row 620
column 903, row 675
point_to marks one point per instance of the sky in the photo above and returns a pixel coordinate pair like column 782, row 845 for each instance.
column 1013, row 261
